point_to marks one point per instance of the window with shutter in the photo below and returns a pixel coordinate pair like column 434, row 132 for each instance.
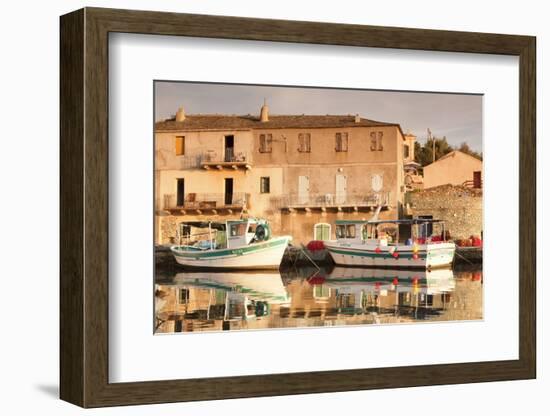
column 265, row 143
column 341, row 142
column 304, row 142
column 180, row 145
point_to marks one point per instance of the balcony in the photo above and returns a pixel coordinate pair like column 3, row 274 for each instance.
column 333, row 202
column 198, row 204
column 228, row 160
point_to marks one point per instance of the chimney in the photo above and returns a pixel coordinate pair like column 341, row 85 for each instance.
column 264, row 113
column 180, row 115
column 357, row 118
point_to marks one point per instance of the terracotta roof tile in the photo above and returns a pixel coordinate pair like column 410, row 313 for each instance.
column 236, row 122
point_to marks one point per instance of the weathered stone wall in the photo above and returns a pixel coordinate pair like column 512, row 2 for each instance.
column 461, row 208
column 298, row 224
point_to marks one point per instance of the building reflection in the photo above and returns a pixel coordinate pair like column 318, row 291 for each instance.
column 208, row 301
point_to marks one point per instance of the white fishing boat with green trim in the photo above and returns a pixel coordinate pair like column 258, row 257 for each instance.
column 422, row 244
column 233, row 244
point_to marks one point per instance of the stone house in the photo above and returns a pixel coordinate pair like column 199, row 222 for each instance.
column 298, row 171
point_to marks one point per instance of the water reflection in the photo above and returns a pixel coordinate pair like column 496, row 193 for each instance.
column 216, row 301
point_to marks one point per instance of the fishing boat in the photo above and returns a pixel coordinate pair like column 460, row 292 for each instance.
column 233, row 244
column 377, row 243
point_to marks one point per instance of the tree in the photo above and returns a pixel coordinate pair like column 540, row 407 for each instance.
column 465, row 148
column 424, row 153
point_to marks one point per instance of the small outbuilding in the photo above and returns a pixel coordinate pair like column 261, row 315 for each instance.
column 455, row 168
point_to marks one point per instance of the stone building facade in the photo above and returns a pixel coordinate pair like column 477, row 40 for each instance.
column 294, row 170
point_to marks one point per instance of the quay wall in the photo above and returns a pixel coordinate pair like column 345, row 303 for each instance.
column 460, row 207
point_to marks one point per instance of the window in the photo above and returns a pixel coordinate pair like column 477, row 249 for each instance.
column 264, row 185
column 321, row 291
column 345, row 231
column 376, row 141
column 406, row 151
column 180, row 145
column 183, row 297
column 341, row 142
column 304, row 142
column 265, row 143
column 321, row 231
column 237, row 229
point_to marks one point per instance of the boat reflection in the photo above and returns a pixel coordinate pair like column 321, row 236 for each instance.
column 205, row 298
column 216, row 301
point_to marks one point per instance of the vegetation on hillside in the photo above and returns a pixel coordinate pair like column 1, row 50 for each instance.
column 423, row 153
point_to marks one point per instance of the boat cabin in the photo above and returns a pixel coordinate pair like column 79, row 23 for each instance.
column 210, row 235
column 391, row 232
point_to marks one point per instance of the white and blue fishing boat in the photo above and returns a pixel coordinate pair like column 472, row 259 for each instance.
column 377, row 244
column 233, row 244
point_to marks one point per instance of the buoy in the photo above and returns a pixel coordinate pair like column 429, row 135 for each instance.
column 395, row 254
column 415, row 256
column 395, row 281
column 415, row 280
column 377, row 285
column 377, row 249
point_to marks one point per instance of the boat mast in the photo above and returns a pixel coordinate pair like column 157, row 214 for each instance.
column 210, row 235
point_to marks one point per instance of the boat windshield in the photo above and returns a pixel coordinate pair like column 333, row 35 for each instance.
column 237, row 229
column 202, row 235
column 345, row 231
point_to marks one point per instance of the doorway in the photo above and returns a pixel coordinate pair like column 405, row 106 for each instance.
column 229, row 148
column 303, row 190
column 228, row 200
column 477, row 179
column 180, row 192
column 341, row 189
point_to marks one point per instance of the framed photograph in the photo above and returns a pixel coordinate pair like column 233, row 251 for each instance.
column 255, row 207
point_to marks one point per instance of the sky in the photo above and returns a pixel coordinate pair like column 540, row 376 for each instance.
column 456, row 116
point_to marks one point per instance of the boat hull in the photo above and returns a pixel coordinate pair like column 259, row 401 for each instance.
column 257, row 256
column 435, row 281
column 427, row 256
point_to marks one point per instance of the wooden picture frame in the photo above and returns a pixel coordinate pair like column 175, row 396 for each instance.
column 84, row 207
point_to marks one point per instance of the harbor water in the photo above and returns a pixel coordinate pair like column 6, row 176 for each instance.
column 301, row 297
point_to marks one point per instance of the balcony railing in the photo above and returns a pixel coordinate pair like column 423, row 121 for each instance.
column 228, row 159
column 208, row 201
column 328, row 200
column 475, row 184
